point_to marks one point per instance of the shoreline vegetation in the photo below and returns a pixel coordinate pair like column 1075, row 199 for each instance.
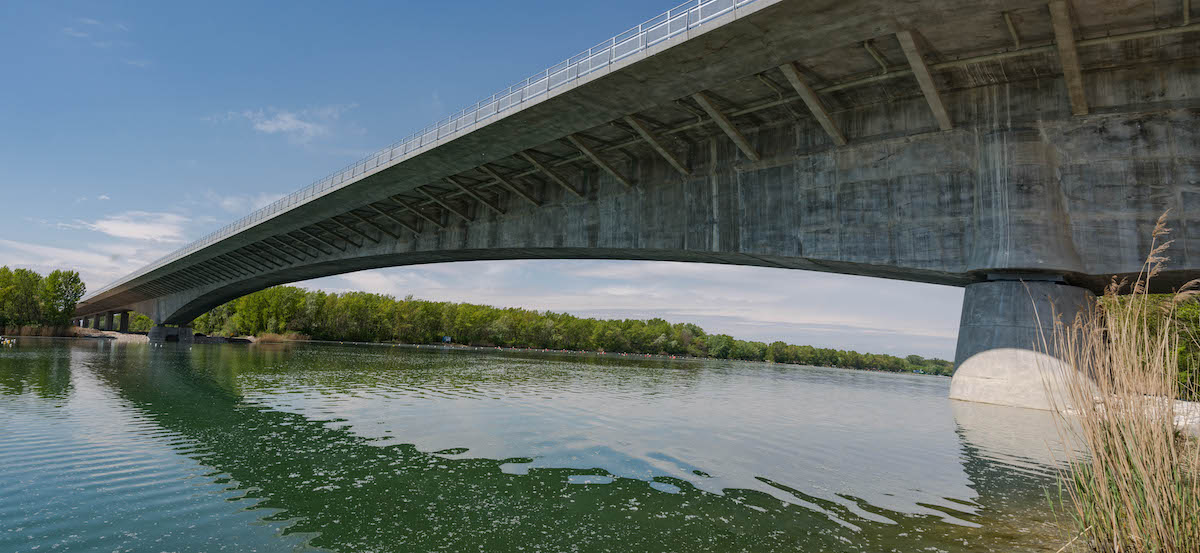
column 33, row 305
column 1138, row 488
column 283, row 313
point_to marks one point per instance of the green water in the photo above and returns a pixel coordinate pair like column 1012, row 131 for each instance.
column 110, row 447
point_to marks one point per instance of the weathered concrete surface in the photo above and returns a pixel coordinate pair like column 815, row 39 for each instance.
column 944, row 207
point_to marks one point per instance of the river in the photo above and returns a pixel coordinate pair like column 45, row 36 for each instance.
column 127, row 447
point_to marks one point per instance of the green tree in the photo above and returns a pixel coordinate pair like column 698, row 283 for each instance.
column 361, row 316
column 23, row 298
column 60, row 292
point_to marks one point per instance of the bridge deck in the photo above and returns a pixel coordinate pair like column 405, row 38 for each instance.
column 928, row 140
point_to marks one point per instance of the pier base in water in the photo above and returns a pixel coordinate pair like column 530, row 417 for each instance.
column 1001, row 358
column 182, row 334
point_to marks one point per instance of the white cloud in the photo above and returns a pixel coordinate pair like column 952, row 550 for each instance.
column 301, row 127
column 103, row 197
column 102, row 35
column 98, row 264
column 288, row 123
column 141, row 64
column 141, row 225
column 241, row 204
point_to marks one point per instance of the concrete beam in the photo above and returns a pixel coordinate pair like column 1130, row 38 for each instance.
column 321, row 240
column 814, row 103
column 287, row 248
column 393, row 219
column 220, row 272
column 240, row 265
column 445, row 205
column 656, row 143
column 260, row 258
column 475, row 195
column 549, row 173
column 185, row 275
column 263, row 253
column 163, row 287
column 379, row 228
column 364, row 235
column 416, row 211
column 1012, row 30
column 217, row 268
column 870, row 48
column 300, row 245
column 202, row 272
column 592, row 155
column 340, row 236
column 236, row 270
column 925, row 79
column 726, row 125
column 509, row 185
column 254, row 262
column 1068, row 55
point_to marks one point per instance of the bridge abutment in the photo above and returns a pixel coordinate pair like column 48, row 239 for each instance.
column 1006, row 353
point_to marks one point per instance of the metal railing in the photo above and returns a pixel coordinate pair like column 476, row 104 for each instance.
column 687, row 16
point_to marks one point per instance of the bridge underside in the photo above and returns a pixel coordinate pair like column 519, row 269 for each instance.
column 995, row 142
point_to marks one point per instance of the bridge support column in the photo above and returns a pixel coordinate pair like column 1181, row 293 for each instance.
column 183, row 334
column 1001, row 358
column 96, row 322
column 108, row 321
column 124, row 327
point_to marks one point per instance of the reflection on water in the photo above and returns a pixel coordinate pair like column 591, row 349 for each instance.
column 125, row 447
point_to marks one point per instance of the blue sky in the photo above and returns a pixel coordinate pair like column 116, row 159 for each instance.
column 128, row 129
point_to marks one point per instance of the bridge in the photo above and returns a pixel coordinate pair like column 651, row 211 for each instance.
column 1019, row 148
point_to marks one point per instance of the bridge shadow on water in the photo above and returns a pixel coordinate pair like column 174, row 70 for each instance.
column 334, row 489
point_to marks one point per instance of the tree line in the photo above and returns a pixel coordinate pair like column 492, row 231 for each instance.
column 29, row 299
column 367, row 317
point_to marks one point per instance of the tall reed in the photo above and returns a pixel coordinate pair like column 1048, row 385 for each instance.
column 1137, row 488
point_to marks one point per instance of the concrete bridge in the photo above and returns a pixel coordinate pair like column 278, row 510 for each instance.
column 980, row 143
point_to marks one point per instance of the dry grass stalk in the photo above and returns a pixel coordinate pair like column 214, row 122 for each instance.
column 1138, row 487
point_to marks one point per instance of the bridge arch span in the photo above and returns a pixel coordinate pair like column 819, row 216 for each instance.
column 182, row 307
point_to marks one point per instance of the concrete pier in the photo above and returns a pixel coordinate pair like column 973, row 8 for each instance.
column 182, row 334
column 1004, row 336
